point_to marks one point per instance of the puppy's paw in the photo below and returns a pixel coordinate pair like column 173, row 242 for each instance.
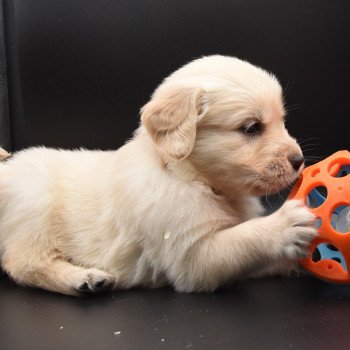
column 296, row 230
column 93, row 281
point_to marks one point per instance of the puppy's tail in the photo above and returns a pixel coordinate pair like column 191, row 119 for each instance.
column 3, row 154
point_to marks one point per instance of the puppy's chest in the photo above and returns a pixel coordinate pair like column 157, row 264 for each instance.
column 246, row 208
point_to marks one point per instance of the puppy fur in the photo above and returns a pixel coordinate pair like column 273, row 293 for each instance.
column 177, row 204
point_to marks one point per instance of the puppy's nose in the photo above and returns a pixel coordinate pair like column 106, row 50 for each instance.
column 297, row 161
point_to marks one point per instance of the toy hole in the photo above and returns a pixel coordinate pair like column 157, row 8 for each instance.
column 328, row 251
column 340, row 219
column 316, row 197
column 338, row 170
column 314, row 172
column 318, row 223
column 316, row 255
column 332, row 247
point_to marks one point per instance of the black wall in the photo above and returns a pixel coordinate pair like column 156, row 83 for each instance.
column 79, row 70
column 5, row 138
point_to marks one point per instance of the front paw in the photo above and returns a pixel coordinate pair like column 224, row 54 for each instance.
column 296, row 230
column 93, row 281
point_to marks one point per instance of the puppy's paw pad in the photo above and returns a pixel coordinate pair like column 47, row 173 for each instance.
column 95, row 281
column 100, row 284
column 84, row 286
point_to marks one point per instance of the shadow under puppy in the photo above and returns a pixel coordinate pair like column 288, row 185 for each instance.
column 178, row 204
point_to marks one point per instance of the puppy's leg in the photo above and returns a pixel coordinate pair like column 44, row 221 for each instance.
column 239, row 251
column 54, row 273
column 282, row 267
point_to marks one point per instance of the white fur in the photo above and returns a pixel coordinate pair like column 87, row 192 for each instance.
column 175, row 205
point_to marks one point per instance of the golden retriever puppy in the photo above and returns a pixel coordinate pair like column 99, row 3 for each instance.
column 178, row 204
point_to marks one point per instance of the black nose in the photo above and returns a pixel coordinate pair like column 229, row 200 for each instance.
column 297, row 161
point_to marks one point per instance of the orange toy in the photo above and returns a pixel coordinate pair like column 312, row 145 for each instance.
column 325, row 188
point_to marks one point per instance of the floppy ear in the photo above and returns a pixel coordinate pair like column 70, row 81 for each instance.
column 170, row 119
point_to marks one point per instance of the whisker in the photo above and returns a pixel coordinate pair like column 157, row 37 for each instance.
column 309, row 150
column 313, row 157
column 291, row 108
column 308, row 139
column 267, row 198
column 310, row 145
column 286, row 89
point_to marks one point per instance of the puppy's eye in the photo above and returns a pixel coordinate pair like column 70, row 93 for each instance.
column 252, row 128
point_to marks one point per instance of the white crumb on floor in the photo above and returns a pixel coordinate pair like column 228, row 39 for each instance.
column 162, row 339
column 167, row 234
column 117, row 332
column 61, row 327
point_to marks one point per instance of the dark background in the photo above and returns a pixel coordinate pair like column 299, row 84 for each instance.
column 81, row 70
column 78, row 72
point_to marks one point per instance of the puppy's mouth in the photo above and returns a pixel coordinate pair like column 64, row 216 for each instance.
column 264, row 185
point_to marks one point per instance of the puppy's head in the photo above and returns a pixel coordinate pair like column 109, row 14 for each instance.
column 226, row 117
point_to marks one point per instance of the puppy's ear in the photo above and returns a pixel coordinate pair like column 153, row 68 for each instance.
column 170, row 118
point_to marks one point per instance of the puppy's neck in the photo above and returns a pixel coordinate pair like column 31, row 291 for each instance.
column 243, row 204
column 231, row 191
column 184, row 171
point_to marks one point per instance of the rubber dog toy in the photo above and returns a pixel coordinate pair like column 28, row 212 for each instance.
column 325, row 189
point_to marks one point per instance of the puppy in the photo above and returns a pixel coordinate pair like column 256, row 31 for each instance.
column 178, row 204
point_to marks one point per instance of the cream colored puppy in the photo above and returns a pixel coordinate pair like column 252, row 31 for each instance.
column 175, row 205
